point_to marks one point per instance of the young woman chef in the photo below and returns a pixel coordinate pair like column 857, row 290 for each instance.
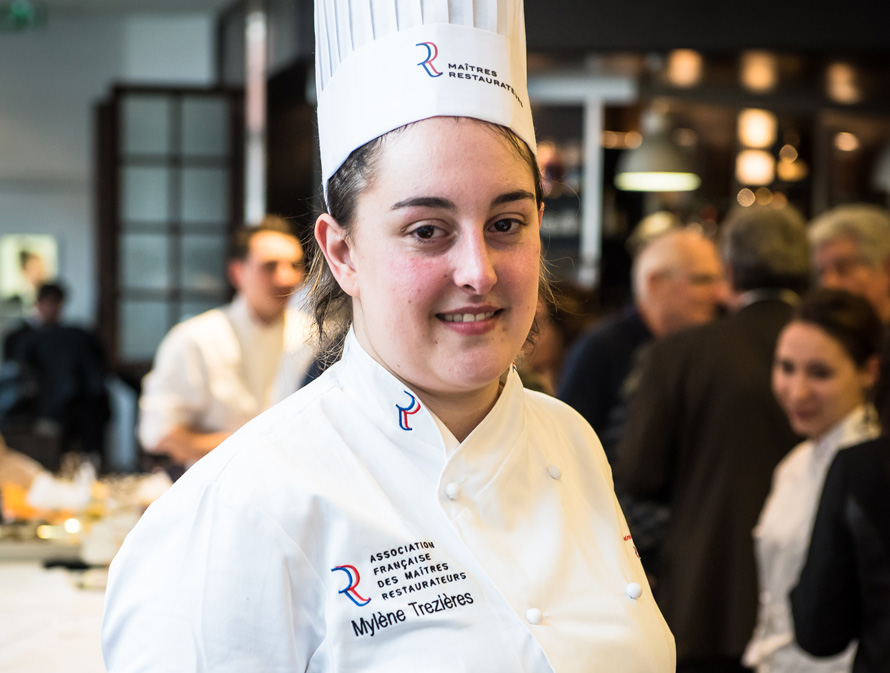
column 414, row 508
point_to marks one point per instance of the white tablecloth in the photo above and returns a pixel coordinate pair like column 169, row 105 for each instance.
column 47, row 623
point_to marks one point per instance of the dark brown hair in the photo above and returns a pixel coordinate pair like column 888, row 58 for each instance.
column 848, row 318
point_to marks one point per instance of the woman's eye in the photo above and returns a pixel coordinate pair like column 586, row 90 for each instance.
column 506, row 225
column 425, row 231
column 821, row 373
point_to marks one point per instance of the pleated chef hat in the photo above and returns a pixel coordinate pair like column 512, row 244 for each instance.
column 381, row 64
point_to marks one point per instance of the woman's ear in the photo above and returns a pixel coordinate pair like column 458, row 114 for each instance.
column 335, row 246
column 871, row 372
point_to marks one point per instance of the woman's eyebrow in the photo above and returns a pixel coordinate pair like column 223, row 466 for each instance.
column 517, row 195
column 425, row 202
column 446, row 204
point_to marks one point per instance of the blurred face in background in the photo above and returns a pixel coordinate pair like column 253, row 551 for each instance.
column 686, row 285
column 840, row 264
column 816, row 380
column 269, row 274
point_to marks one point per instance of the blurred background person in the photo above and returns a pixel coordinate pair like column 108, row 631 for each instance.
column 704, row 433
column 826, row 364
column 216, row 371
column 562, row 315
column 64, row 404
column 677, row 281
column 851, row 250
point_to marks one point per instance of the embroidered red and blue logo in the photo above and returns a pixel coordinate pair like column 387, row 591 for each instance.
column 351, row 590
column 432, row 53
column 404, row 412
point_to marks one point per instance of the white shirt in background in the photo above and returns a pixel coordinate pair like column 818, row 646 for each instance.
column 218, row 370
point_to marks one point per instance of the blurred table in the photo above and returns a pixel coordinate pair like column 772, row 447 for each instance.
column 48, row 624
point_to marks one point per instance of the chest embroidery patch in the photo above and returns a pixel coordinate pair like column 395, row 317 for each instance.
column 351, row 590
column 414, row 581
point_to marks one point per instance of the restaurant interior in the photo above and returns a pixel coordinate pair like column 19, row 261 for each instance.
column 135, row 135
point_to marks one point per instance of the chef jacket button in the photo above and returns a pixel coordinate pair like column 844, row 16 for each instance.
column 554, row 471
column 452, row 490
column 533, row 616
column 633, row 590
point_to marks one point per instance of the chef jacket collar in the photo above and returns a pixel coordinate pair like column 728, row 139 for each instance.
column 408, row 422
column 479, row 458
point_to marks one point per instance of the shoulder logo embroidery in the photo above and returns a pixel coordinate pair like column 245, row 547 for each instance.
column 404, row 412
column 628, row 538
column 351, row 591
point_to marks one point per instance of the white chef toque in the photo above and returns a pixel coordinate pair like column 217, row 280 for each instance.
column 381, row 64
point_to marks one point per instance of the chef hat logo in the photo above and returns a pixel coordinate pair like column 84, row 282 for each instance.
column 432, row 53
column 381, row 65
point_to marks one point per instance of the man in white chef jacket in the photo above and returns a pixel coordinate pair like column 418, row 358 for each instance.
column 216, row 371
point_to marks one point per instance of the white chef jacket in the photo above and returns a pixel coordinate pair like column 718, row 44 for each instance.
column 336, row 532
column 202, row 374
column 782, row 539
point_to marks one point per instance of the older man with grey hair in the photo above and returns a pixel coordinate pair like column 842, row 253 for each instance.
column 704, row 433
column 851, row 251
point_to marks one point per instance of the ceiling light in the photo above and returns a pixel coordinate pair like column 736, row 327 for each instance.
column 684, row 68
column 757, row 128
column 846, row 142
column 658, row 164
column 841, row 83
column 755, row 167
column 759, row 71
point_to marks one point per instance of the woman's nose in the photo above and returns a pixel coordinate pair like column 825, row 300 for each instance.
column 798, row 387
column 474, row 265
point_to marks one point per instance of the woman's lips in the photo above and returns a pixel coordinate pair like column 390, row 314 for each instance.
column 470, row 321
column 466, row 317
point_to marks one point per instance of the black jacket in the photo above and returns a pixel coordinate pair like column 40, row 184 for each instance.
column 844, row 588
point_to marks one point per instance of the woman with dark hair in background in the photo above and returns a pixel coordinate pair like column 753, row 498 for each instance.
column 826, row 363
column 843, row 594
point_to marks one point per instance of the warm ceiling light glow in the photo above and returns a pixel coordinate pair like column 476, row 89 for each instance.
column 779, row 200
column 633, row 139
column 792, row 171
column 759, row 71
column 746, row 197
column 841, row 83
column 72, row 526
column 611, row 139
column 755, row 167
column 788, row 153
column 684, row 68
column 846, row 142
column 757, row 128
column 763, row 196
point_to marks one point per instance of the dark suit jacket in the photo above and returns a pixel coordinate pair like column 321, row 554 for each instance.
column 598, row 364
column 844, row 589
column 704, row 433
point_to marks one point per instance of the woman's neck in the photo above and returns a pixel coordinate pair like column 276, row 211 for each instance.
column 462, row 412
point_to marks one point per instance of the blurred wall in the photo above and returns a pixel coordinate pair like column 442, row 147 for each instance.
column 49, row 81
